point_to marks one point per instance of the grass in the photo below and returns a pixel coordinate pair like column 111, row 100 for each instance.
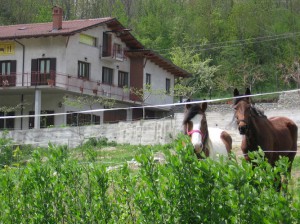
column 114, row 154
column 111, row 153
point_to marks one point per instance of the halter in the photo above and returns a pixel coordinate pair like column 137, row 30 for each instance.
column 203, row 136
column 189, row 133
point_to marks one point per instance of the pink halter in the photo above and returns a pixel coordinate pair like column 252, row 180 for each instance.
column 196, row 131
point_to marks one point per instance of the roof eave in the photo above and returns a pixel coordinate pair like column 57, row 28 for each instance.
column 160, row 61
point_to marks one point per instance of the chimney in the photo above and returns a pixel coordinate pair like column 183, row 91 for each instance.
column 57, row 14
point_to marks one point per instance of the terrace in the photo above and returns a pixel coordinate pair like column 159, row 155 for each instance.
column 63, row 82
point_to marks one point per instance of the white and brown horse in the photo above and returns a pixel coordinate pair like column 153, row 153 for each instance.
column 211, row 142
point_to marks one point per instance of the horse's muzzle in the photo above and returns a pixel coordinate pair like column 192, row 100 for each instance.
column 243, row 129
column 198, row 147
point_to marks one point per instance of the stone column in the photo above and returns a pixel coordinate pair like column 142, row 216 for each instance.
column 37, row 108
column 129, row 114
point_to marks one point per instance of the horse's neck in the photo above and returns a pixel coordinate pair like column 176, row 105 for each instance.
column 259, row 130
column 260, row 125
column 214, row 144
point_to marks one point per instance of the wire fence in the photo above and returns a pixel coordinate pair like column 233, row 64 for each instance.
column 155, row 106
column 82, row 136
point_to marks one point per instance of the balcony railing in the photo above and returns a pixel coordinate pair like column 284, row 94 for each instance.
column 7, row 80
column 115, row 54
column 65, row 82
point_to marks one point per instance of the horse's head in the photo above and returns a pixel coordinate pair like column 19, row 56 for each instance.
column 242, row 107
column 195, row 125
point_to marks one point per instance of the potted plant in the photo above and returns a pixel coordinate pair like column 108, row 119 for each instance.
column 50, row 82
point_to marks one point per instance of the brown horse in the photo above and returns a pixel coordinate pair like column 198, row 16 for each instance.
column 213, row 142
column 277, row 136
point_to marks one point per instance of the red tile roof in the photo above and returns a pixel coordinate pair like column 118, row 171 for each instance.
column 71, row 27
column 45, row 29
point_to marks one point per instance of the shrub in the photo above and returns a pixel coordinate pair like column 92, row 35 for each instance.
column 56, row 188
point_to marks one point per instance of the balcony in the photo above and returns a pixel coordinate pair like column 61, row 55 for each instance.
column 63, row 82
column 112, row 55
column 7, row 80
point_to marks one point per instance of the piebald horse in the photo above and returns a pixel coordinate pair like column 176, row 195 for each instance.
column 277, row 136
column 212, row 142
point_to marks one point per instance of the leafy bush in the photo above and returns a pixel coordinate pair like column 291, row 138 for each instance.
column 99, row 142
column 12, row 154
column 59, row 189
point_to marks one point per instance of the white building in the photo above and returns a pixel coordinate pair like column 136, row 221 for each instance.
column 43, row 62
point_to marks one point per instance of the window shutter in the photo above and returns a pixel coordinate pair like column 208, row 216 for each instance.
column 34, row 71
column 13, row 70
column 110, row 45
column 52, row 68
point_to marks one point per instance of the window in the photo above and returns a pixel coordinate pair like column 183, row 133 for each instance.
column 78, row 119
column 107, row 75
column 44, row 66
column 107, row 45
column 148, row 79
column 118, row 51
column 7, row 48
column 83, row 70
column 123, row 79
column 7, row 73
column 89, row 40
column 42, row 69
column 5, row 68
column 45, row 121
column 168, row 86
column 8, row 123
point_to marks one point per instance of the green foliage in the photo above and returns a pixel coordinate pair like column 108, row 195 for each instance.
column 100, row 142
column 86, row 100
column 56, row 188
column 12, row 154
column 203, row 73
column 6, row 150
column 243, row 42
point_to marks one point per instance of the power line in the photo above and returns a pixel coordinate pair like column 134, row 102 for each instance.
column 235, row 43
column 149, row 106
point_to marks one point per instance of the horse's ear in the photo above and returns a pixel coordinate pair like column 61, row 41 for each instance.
column 203, row 106
column 187, row 106
column 247, row 92
column 236, row 92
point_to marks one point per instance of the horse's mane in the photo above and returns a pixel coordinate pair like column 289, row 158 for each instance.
column 191, row 112
column 258, row 112
column 237, row 100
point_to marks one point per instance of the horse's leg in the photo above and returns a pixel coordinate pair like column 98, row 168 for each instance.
column 227, row 140
column 293, row 128
column 244, row 148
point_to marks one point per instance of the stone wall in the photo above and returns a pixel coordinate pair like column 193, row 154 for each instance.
column 158, row 131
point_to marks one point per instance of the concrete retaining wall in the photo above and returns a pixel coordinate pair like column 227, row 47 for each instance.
column 138, row 132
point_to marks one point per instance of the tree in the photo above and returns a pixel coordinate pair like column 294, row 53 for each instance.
column 250, row 74
column 291, row 73
column 202, row 79
column 7, row 109
column 87, row 100
column 144, row 93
